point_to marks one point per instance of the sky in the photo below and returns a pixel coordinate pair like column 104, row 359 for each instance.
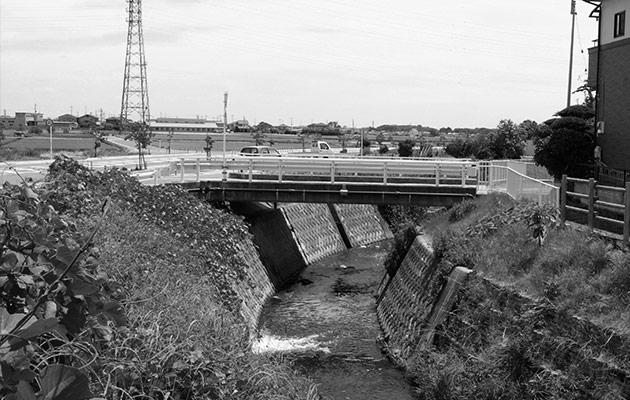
column 358, row 62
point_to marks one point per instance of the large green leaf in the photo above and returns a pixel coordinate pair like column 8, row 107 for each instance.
column 61, row 382
column 25, row 392
column 35, row 330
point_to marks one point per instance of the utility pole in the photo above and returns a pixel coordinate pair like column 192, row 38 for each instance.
column 573, row 13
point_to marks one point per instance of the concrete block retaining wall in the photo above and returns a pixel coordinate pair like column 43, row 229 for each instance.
column 362, row 223
column 314, row 230
column 278, row 247
column 408, row 300
column 293, row 236
column 254, row 288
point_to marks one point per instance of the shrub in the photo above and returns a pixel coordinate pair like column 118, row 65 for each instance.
column 461, row 210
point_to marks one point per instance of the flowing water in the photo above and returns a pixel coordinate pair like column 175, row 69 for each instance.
column 327, row 321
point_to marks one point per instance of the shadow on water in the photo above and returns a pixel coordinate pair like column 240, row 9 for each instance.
column 327, row 322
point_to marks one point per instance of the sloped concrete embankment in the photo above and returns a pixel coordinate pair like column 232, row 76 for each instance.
column 288, row 239
column 416, row 304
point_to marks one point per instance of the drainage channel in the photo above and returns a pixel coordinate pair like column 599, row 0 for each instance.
column 327, row 322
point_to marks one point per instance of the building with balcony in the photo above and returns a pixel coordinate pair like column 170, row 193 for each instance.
column 609, row 74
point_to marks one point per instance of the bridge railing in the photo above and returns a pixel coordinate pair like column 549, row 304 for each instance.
column 322, row 169
column 498, row 178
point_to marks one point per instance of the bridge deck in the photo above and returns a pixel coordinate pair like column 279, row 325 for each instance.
column 326, row 192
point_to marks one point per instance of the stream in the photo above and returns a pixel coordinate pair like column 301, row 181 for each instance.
column 327, row 322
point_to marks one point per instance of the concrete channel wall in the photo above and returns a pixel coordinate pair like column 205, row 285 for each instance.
column 408, row 298
column 288, row 239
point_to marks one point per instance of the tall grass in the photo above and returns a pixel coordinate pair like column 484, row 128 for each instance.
column 180, row 339
column 577, row 272
column 513, row 334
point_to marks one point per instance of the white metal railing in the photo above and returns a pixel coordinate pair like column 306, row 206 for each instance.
column 498, row 178
column 451, row 172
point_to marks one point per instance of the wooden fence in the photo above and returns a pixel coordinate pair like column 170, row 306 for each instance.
column 594, row 199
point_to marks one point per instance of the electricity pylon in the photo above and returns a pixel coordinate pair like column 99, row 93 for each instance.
column 135, row 96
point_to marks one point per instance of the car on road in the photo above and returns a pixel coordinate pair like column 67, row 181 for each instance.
column 266, row 151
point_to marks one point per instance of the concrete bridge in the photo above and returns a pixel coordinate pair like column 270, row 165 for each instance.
column 323, row 180
column 328, row 180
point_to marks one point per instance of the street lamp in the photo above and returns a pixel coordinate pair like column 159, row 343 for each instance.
column 225, row 99
column 49, row 123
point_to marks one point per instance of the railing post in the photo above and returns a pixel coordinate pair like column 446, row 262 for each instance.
column 626, row 215
column 437, row 174
column 280, row 171
column 385, row 173
column 563, row 199
column 251, row 169
column 591, row 203
column 155, row 177
column 463, row 168
column 490, row 176
column 332, row 171
column 198, row 170
column 181, row 164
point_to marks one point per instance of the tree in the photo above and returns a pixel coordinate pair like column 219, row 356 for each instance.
column 259, row 138
column 565, row 144
column 460, row 148
column 97, row 144
column 529, row 129
column 141, row 134
column 169, row 139
column 405, row 148
column 303, row 138
column 208, row 148
column 508, row 142
column 343, row 140
column 380, row 138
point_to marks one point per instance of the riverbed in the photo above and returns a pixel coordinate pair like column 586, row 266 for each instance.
column 326, row 320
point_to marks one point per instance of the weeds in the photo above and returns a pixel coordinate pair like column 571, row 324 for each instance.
column 498, row 344
column 170, row 260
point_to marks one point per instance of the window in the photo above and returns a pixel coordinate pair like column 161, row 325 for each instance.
column 620, row 24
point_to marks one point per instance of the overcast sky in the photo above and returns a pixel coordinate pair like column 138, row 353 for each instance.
column 435, row 63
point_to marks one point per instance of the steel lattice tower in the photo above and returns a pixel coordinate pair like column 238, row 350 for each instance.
column 135, row 96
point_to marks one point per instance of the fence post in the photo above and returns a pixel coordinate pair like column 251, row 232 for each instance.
column 626, row 215
column 181, row 164
column 591, row 203
column 198, row 170
column 563, row 199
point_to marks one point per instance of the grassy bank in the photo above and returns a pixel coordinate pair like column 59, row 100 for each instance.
column 170, row 261
column 545, row 316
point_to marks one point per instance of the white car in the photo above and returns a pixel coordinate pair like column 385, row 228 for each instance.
column 259, row 151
